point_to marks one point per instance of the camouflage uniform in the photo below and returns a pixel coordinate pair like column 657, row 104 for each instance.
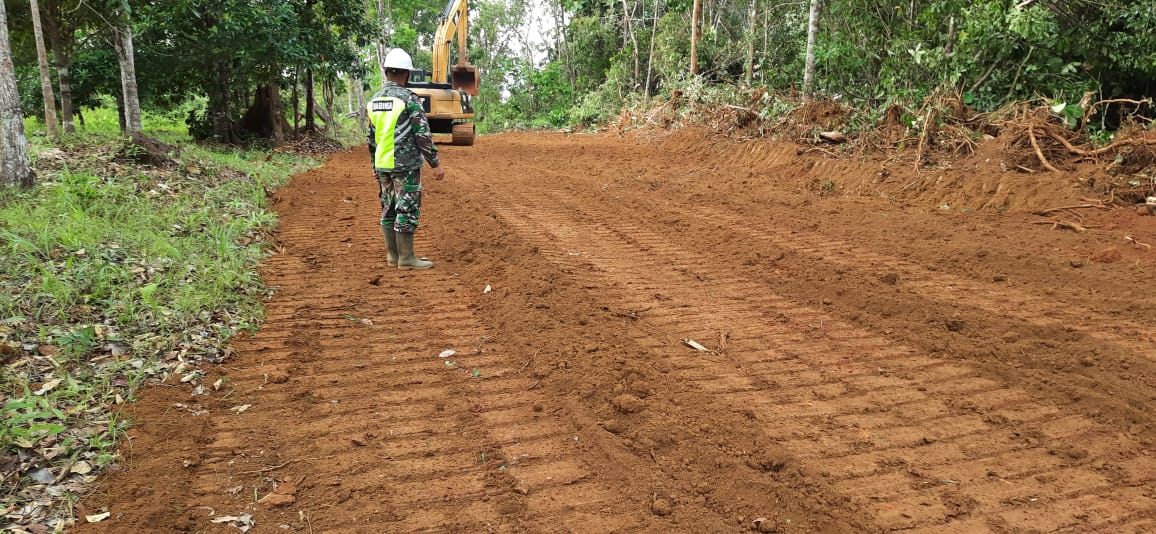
column 399, row 138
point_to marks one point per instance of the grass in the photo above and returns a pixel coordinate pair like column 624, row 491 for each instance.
column 113, row 274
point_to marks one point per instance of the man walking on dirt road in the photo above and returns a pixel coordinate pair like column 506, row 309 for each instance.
column 399, row 138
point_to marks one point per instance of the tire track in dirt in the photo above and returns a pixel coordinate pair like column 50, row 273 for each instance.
column 342, row 394
column 1008, row 302
column 921, row 442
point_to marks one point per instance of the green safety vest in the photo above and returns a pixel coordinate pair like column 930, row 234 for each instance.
column 384, row 113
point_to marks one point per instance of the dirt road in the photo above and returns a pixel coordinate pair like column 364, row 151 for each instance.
column 927, row 362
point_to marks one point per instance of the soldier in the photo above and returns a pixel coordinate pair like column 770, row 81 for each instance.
column 399, row 137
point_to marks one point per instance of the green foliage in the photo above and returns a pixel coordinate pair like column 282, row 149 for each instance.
column 111, row 270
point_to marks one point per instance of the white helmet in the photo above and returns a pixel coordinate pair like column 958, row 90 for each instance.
column 398, row 59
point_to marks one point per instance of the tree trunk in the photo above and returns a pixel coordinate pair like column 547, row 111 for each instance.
column 752, row 16
column 384, row 37
column 328, row 95
column 766, row 41
column 629, row 27
column 359, row 90
column 266, row 117
column 809, row 69
column 695, row 35
column 319, row 110
column 296, row 102
column 61, row 37
column 650, row 57
column 15, row 166
column 310, row 108
column 50, row 123
column 564, row 45
column 125, row 56
column 224, row 130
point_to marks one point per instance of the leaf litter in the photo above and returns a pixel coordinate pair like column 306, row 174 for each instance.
column 64, row 375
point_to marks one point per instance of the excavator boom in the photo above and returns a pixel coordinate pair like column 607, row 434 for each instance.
column 454, row 23
column 447, row 103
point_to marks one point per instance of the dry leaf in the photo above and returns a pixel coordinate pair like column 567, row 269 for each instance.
column 48, row 386
column 81, row 468
column 240, row 409
column 96, row 518
column 695, row 345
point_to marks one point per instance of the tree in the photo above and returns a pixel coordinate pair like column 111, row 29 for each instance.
column 50, row 123
column 695, row 35
column 15, row 167
column 125, row 56
column 60, row 29
column 752, row 20
column 809, row 69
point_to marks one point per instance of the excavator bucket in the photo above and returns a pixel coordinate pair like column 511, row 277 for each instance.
column 465, row 78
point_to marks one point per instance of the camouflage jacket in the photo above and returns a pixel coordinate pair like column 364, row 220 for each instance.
column 399, row 134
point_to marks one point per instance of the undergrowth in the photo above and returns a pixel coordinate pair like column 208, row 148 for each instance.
column 113, row 274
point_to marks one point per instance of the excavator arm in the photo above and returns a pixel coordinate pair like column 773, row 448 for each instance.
column 454, row 22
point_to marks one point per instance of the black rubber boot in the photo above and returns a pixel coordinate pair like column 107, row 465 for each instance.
column 390, row 244
column 406, row 260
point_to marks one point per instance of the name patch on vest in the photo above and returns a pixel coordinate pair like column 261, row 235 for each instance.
column 381, row 105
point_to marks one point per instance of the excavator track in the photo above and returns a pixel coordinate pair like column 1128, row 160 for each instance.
column 463, row 134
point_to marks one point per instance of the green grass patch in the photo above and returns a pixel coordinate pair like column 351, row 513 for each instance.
column 112, row 274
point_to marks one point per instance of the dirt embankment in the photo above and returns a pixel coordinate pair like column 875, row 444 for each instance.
column 867, row 360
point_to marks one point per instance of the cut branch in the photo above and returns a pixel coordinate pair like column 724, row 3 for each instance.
column 1039, row 153
column 1099, row 151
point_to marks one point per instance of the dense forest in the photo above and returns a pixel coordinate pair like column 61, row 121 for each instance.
column 234, row 70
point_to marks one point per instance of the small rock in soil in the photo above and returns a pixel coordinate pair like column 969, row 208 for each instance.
column 277, row 500
column 627, row 403
column 766, row 462
column 889, row 279
column 763, row 524
column 954, row 325
column 1108, row 255
column 286, row 488
column 613, row 426
column 661, row 507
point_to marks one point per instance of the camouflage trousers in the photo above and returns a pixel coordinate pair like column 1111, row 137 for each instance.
column 400, row 194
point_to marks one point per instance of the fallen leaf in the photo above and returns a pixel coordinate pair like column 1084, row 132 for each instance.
column 447, row 353
column 43, row 476
column 46, row 350
column 217, row 384
column 695, row 345
column 96, row 518
column 48, row 386
column 240, row 409
column 81, row 468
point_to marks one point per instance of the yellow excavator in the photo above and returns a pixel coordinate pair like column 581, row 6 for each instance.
column 447, row 102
